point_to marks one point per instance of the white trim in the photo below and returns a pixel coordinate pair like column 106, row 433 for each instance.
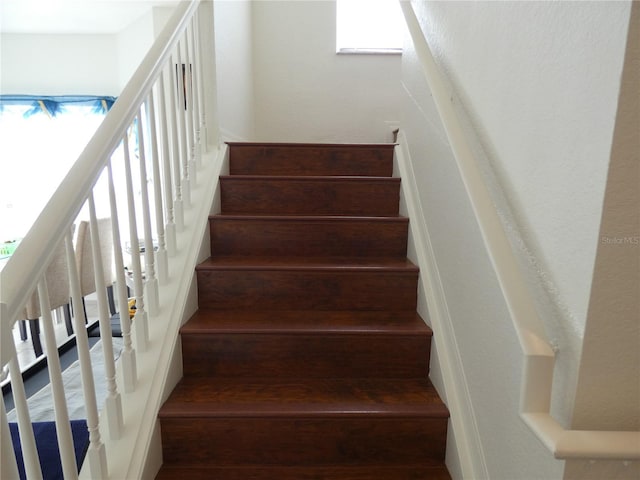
column 463, row 419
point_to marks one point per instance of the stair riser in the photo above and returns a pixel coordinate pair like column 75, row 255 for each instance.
column 304, row 441
column 306, row 290
column 311, row 160
column 400, row 472
column 306, row 356
column 310, row 197
column 311, row 237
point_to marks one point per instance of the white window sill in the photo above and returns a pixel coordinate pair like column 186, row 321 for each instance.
column 369, row 51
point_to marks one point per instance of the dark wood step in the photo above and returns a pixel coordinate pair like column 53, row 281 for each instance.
column 230, row 344
column 263, row 195
column 376, row 472
column 304, row 283
column 311, row 159
column 308, row 236
column 304, row 422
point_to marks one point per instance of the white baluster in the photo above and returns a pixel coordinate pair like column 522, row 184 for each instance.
column 140, row 322
column 170, row 229
column 151, row 282
column 200, row 77
column 175, row 143
column 113, row 402
column 162, row 261
column 8, row 465
column 27, row 439
column 129, row 368
column 63, row 427
column 184, row 138
column 96, row 452
column 196, row 90
column 188, row 92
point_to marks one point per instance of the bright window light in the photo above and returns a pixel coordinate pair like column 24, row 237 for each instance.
column 369, row 26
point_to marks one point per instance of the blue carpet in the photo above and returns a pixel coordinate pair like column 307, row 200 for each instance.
column 47, row 445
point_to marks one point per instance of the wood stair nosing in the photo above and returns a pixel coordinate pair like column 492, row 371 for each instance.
column 304, row 397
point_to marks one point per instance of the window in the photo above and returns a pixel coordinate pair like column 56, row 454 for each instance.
column 40, row 139
column 369, row 26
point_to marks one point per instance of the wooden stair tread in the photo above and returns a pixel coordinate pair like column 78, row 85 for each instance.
column 344, row 264
column 310, row 218
column 306, row 321
column 368, row 472
column 326, row 397
column 310, row 178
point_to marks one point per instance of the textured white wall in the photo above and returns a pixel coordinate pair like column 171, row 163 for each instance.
column 234, row 67
column 304, row 91
column 539, row 82
column 608, row 393
column 58, row 64
column 536, row 86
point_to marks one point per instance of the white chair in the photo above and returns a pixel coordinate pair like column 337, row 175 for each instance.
column 57, row 278
column 84, row 259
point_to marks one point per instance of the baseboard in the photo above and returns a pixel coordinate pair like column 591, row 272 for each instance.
column 467, row 459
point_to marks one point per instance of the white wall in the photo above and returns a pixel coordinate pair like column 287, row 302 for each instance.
column 234, row 68
column 133, row 43
column 304, row 91
column 608, row 393
column 58, row 64
column 539, row 82
column 536, row 85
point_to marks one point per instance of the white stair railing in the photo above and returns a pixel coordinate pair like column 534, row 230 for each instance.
column 539, row 358
column 163, row 124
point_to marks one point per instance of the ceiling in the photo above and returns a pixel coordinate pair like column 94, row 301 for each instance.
column 72, row 16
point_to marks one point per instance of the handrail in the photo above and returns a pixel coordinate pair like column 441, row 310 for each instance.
column 537, row 376
column 28, row 262
column 169, row 150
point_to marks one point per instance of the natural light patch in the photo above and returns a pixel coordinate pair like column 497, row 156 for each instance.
column 369, row 26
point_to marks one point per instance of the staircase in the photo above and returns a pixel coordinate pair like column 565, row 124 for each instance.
column 306, row 359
